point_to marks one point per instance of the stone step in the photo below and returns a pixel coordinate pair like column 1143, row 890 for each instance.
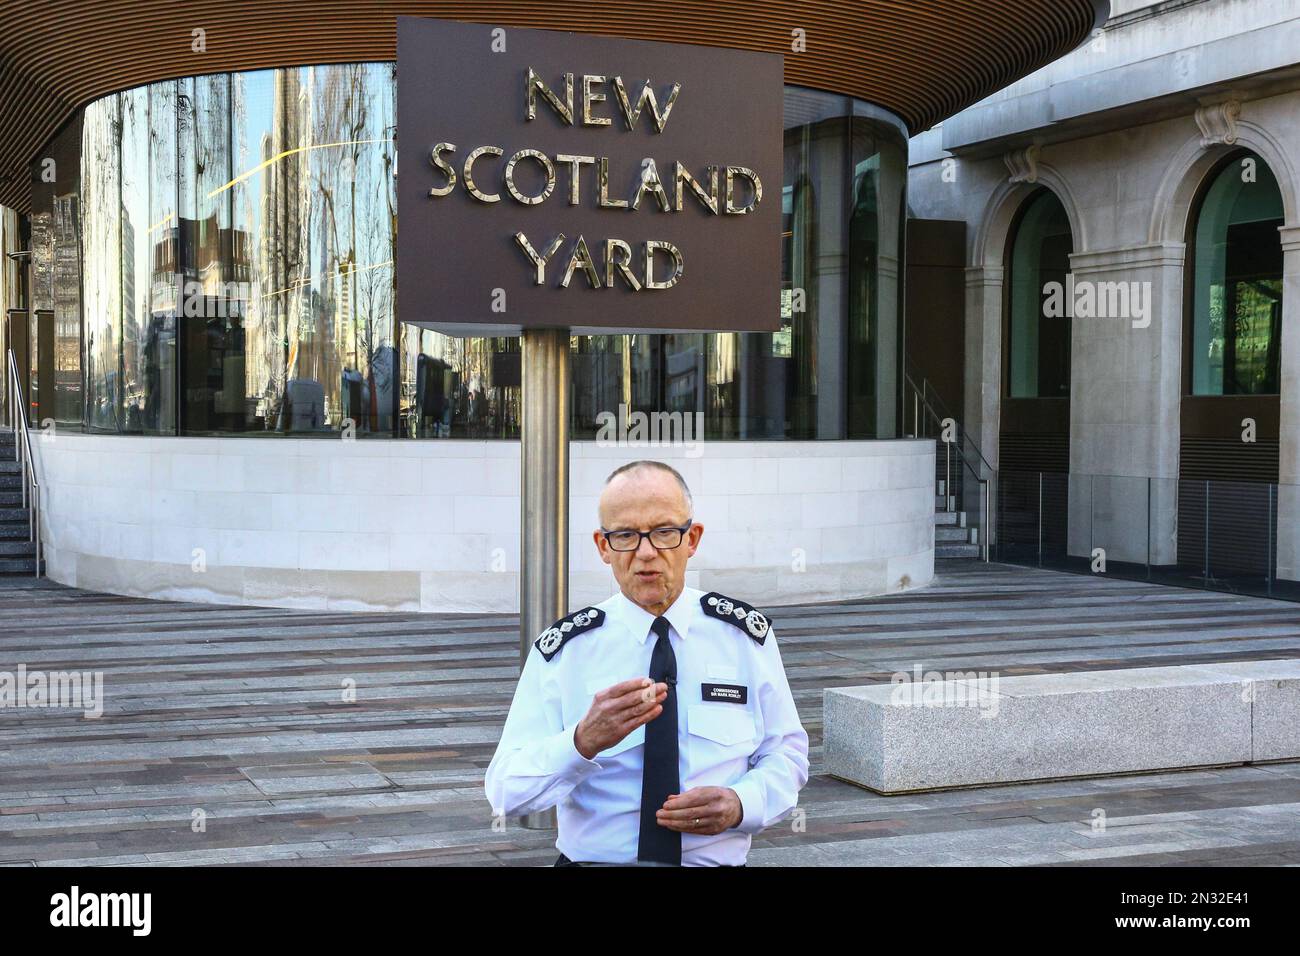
column 13, row 530
column 19, row 548
column 950, row 533
column 10, row 567
column 950, row 517
column 9, row 480
column 13, row 515
column 956, row 550
column 10, row 467
column 11, row 497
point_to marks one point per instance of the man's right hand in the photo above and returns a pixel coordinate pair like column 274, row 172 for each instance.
column 616, row 712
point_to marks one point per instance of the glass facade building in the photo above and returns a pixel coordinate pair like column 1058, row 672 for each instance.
column 215, row 256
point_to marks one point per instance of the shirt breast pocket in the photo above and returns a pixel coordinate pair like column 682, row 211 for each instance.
column 732, row 729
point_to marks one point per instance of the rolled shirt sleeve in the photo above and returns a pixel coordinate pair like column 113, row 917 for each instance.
column 779, row 766
column 536, row 764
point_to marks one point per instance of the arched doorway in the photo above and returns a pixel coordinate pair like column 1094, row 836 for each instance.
column 1034, row 424
column 1228, row 448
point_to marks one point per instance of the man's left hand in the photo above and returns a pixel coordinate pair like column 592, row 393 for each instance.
column 706, row 810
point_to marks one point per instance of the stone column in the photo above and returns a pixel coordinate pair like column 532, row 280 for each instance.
column 1125, row 401
column 1288, row 492
column 982, row 403
column 983, row 399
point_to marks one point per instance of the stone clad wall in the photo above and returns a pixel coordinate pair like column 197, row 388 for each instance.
column 1100, row 130
column 434, row 525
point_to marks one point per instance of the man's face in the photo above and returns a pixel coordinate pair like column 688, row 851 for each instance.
column 640, row 500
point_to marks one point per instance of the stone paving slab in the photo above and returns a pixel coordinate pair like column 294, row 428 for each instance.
column 236, row 711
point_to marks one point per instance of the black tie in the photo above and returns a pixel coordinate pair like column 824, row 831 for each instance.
column 659, row 775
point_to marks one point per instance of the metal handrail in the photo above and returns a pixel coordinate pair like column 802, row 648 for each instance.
column 928, row 393
column 16, row 412
column 987, row 483
column 921, row 399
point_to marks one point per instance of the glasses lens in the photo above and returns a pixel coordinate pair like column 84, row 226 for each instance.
column 623, row 540
column 665, row 537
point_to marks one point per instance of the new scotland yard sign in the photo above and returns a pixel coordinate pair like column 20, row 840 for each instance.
column 560, row 180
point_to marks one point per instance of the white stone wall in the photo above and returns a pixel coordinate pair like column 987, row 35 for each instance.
column 434, row 525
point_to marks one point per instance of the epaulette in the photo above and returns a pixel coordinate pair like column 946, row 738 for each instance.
column 749, row 619
column 558, row 634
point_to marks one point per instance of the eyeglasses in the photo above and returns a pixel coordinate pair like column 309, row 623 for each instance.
column 661, row 539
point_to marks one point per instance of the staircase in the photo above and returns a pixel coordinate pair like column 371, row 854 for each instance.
column 952, row 538
column 963, row 478
column 17, row 549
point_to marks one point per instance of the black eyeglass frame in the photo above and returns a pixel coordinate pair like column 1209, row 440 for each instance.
column 646, row 534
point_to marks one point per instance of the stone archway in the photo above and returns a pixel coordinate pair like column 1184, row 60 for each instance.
column 990, row 243
column 1223, row 132
column 1172, row 209
column 985, row 275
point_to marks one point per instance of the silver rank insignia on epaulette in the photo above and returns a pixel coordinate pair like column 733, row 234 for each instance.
column 558, row 634
column 749, row 619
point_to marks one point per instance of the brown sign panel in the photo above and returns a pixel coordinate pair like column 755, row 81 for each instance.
column 562, row 180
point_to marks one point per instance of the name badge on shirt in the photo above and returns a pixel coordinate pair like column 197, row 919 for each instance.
column 726, row 693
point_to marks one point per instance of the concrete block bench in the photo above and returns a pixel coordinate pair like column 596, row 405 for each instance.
column 932, row 734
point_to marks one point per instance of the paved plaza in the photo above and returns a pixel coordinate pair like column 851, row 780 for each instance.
column 227, row 735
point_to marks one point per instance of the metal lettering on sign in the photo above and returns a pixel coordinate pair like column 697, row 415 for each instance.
column 557, row 153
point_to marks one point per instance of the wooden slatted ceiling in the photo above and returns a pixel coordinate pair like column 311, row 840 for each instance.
column 922, row 59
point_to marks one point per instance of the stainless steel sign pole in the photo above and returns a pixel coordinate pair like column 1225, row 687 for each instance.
column 544, row 516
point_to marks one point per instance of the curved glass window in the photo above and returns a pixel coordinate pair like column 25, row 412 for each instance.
column 1038, row 335
column 147, row 404
column 220, row 261
column 1236, row 302
column 55, row 333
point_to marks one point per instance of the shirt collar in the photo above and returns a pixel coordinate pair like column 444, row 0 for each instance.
column 681, row 615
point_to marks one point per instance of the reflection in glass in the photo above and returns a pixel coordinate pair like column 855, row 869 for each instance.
column 149, row 243
column 237, row 257
column 56, row 334
column 100, row 171
column 213, row 284
column 459, row 387
column 1237, row 282
column 877, row 218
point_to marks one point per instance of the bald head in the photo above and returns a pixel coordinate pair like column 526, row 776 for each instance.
column 644, row 496
column 646, row 478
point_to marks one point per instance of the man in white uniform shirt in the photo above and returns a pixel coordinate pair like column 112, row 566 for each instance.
column 660, row 721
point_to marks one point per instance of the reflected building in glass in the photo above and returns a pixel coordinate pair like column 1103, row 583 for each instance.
column 236, row 234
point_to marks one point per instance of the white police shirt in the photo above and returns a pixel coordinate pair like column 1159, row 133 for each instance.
column 737, row 727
